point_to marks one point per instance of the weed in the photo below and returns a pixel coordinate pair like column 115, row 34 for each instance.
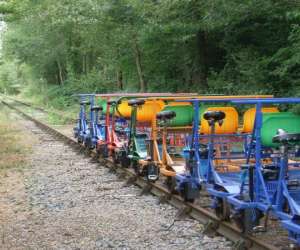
column 13, row 142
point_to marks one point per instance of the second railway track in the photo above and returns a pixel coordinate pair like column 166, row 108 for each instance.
column 200, row 212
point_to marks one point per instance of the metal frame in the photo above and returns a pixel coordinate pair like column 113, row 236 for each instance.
column 81, row 130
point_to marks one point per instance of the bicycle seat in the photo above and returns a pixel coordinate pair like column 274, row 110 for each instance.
column 136, row 102
column 214, row 115
column 111, row 102
column 85, row 103
column 96, row 108
column 166, row 115
column 283, row 137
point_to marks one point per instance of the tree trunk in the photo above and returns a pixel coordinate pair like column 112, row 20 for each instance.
column 84, row 64
column 120, row 79
column 203, row 58
column 60, row 73
column 138, row 61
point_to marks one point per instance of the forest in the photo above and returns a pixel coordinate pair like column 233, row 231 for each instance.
column 55, row 48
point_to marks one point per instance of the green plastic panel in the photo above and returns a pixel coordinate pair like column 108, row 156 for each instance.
column 274, row 121
column 184, row 115
column 103, row 103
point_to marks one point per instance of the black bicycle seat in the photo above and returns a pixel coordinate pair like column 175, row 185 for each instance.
column 136, row 102
column 111, row 102
column 214, row 116
column 96, row 108
column 166, row 115
column 85, row 103
column 283, row 137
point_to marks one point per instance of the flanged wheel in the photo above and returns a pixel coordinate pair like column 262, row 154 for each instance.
column 171, row 184
column 222, row 209
column 125, row 161
column 105, row 151
column 246, row 219
column 136, row 167
column 189, row 192
column 102, row 151
column 115, row 157
column 87, row 143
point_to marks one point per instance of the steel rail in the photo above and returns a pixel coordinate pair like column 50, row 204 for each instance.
column 213, row 224
column 30, row 105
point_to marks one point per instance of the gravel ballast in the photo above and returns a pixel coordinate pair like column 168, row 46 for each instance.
column 64, row 201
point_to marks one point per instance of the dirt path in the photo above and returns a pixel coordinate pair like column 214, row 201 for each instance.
column 63, row 201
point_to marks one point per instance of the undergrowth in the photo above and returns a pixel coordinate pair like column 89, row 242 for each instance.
column 14, row 144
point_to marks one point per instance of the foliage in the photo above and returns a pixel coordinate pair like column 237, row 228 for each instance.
column 218, row 46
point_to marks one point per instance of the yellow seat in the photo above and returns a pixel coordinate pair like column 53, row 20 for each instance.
column 230, row 122
column 146, row 113
column 249, row 117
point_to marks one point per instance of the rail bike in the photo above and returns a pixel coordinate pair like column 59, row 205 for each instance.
column 142, row 150
column 193, row 170
column 89, row 129
column 120, row 122
column 270, row 182
column 248, row 165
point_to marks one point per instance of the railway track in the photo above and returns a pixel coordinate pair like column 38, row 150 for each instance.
column 200, row 212
column 30, row 105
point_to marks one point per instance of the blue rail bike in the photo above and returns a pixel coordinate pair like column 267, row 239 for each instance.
column 271, row 182
column 81, row 130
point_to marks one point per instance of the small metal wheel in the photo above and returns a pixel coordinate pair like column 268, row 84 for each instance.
column 88, row 143
column 75, row 134
column 247, row 219
column 85, row 144
column 115, row 157
column 136, row 167
column 102, row 151
column 222, row 209
column 171, row 184
column 189, row 192
column 125, row 161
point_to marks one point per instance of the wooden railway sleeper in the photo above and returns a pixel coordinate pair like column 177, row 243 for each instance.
column 130, row 181
column 242, row 244
column 210, row 228
column 146, row 189
column 165, row 198
column 183, row 212
column 122, row 175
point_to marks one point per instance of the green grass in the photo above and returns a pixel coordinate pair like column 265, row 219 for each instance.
column 15, row 145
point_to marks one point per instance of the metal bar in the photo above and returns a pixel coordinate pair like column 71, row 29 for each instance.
column 269, row 101
column 168, row 94
column 227, row 98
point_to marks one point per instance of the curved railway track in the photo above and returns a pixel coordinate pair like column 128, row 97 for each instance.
column 44, row 110
column 198, row 211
